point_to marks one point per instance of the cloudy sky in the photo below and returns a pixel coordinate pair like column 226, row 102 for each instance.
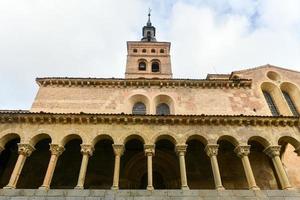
column 41, row 38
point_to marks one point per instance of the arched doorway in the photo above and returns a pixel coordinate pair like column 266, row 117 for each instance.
column 35, row 167
column 101, row 166
column 231, row 167
column 166, row 173
column 68, row 166
column 8, row 159
column 262, row 166
column 133, row 165
column 198, row 167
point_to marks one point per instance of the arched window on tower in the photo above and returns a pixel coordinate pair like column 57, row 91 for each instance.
column 162, row 109
column 290, row 103
column 155, row 66
column 271, row 103
column 142, row 66
column 139, row 108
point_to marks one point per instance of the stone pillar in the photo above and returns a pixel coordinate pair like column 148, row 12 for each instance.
column 243, row 152
column 149, row 152
column 56, row 151
column 24, row 151
column 87, row 151
column 118, row 150
column 273, row 152
column 212, row 151
column 181, row 149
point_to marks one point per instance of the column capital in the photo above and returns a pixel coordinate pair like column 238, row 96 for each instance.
column 118, row 149
column 25, row 149
column 272, row 151
column 211, row 149
column 56, row 149
column 87, row 149
column 242, row 150
column 181, row 149
column 149, row 149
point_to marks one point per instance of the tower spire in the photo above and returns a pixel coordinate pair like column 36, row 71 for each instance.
column 149, row 30
column 149, row 15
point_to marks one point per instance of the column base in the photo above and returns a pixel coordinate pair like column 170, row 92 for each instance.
column 9, row 187
column 254, row 188
column 78, row 187
column 114, row 188
column 289, row 188
column 220, row 188
column 150, row 187
column 185, row 187
column 44, row 187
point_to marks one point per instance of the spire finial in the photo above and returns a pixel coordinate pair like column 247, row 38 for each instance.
column 149, row 15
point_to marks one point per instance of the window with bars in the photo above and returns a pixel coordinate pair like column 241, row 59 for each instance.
column 290, row 103
column 271, row 103
column 162, row 109
column 139, row 109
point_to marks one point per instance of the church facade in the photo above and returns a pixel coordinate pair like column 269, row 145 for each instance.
column 237, row 131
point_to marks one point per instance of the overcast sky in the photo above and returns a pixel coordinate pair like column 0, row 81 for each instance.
column 41, row 38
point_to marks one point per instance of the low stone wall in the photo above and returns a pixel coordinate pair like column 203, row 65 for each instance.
column 28, row 194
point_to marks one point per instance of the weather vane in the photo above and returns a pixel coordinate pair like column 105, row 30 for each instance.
column 149, row 12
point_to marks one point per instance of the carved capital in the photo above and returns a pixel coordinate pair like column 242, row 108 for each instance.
column 272, row 151
column 181, row 149
column 56, row 149
column 242, row 151
column 87, row 149
column 149, row 149
column 25, row 149
column 118, row 149
column 211, row 149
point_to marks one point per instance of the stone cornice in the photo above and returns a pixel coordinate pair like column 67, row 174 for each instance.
column 143, row 83
column 85, row 118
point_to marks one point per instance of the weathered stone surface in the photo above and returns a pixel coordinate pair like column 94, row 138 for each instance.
column 17, row 194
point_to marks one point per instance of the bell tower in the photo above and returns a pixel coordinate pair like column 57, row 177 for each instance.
column 148, row 58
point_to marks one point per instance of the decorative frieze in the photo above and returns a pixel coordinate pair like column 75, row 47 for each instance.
column 89, row 118
column 142, row 83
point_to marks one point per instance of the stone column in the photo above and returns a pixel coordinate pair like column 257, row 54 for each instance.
column 24, row 151
column 212, row 151
column 87, row 151
column 56, row 151
column 273, row 152
column 243, row 152
column 118, row 150
column 181, row 149
column 149, row 152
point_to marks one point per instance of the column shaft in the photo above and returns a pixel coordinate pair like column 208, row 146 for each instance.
column 243, row 151
column 181, row 149
column 118, row 150
column 273, row 152
column 212, row 152
column 87, row 151
column 24, row 151
column 56, row 151
column 149, row 152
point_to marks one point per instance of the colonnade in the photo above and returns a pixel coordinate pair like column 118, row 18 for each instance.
column 242, row 151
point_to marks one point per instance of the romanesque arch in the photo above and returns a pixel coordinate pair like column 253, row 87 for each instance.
column 38, row 161
column 133, row 163
column 262, row 166
column 8, row 157
column 165, row 164
column 292, row 97
column 162, row 99
column 198, row 167
column 68, row 165
column 101, row 164
column 138, row 98
column 231, row 168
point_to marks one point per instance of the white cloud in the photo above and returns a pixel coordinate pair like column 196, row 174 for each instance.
column 88, row 38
